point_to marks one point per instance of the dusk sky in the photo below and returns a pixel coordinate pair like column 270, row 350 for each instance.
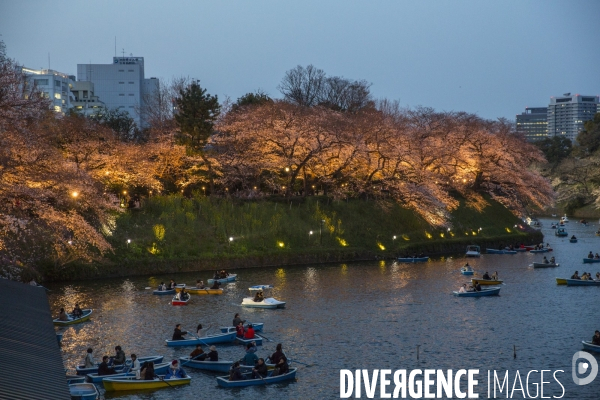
column 489, row 58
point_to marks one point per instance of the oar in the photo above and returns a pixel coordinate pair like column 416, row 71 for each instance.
column 165, row 381
column 191, row 359
column 200, row 340
column 264, row 337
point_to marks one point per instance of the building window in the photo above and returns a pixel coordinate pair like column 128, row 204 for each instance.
column 57, row 83
column 121, row 70
column 57, row 96
column 57, row 109
column 130, row 70
column 131, row 83
column 121, row 83
column 121, row 94
column 41, row 82
column 131, row 94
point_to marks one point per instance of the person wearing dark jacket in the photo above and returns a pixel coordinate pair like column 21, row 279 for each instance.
column 275, row 357
column 596, row 338
column 119, row 358
column 178, row 334
column 282, row 367
column 198, row 354
column 486, row 276
column 260, row 371
column 213, row 355
column 235, row 374
column 148, row 371
column 104, row 369
column 237, row 320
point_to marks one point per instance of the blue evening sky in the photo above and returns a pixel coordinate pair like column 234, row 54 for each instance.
column 490, row 58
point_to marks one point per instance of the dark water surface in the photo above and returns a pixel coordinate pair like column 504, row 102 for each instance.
column 369, row 315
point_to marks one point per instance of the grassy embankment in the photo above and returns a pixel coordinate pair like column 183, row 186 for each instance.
column 173, row 233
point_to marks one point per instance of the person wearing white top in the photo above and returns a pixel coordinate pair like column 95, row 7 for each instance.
column 135, row 366
column 89, row 360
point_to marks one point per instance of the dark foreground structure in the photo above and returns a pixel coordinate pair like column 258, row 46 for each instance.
column 31, row 366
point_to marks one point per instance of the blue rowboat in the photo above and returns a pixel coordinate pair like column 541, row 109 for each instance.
column 573, row 240
column 217, row 366
column 81, row 370
column 258, row 326
column 591, row 260
column 561, row 232
column 521, row 250
column 83, row 391
column 412, row 259
column 230, row 278
column 590, row 347
column 71, row 379
column 539, row 251
column 544, row 265
column 465, row 271
column 581, row 282
column 497, row 251
column 224, row 381
column 228, row 337
column 473, row 251
column 257, row 339
column 161, row 368
column 163, row 292
column 481, row 293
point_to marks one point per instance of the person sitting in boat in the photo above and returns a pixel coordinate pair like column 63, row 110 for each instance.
column 239, row 330
column 249, row 358
column 552, row 260
column 249, row 334
column 463, row 288
column 198, row 353
column 486, row 276
column 200, row 284
column 63, row 316
column 591, row 255
column 213, row 354
column 545, row 260
column 596, row 338
column 260, row 371
column 77, row 312
column 495, row 276
column 575, row 275
column 275, row 357
column 147, row 372
column 178, row 334
column 104, row 369
column 216, row 275
column 162, row 286
column 259, row 296
column 172, row 285
column 175, row 371
column 89, row 359
column 135, row 366
column 183, row 295
column 598, row 276
column 597, row 256
column 573, row 237
column 237, row 320
column 215, row 285
column 235, row 373
column 477, row 287
column 119, row 358
column 282, row 367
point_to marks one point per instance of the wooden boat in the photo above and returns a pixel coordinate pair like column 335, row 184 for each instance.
column 590, row 347
column 163, row 292
column 130, row 383
column 177, row 302
column 257, row 326
column 230, row 278
column 486, row 282
column 224, row 381
column 544, row 265
column 591, row 260
column 467, row 271
column 481, row 293
column 81, row 370
column 412, row 259
column 257, row 339
column 497, row 251
column 161, row 368
column 561, row 281
column 581, row 282
column 473, row 251
column 573, row 240
column 86, row 316
column 206, row 340
column 561, row 232
column 83, row 391
column 202, row 291
column 217, row 366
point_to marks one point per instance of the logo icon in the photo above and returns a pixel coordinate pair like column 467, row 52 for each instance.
column 581, row 368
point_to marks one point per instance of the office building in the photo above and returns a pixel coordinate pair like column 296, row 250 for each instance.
column 533, row 124
column 121, row 84
column 86, row 102
column 568, row 113
column 52, row 85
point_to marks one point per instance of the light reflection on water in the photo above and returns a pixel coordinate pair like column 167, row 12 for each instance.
column 359, row 315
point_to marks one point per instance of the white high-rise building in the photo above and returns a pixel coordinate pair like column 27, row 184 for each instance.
column 52, row 85
column 568, row 113
column 121, row 84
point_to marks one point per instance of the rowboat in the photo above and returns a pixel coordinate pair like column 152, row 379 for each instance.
column 206, row 340
column 161, row 368
column 561, row 281
column 466, row 271
column 544, row 265
column 71, row 379
column 544, row 250
column 573, row 240
column 163, row 292
column 486, row 282
column 561, row 232
column 86, row 316
column 473, row 251
column 412, row 259
column 230, row 278
column 497, row 251
column 177, row 302
column 590, row 347
column 130, row 383
column 202, row 291
column 591, row 260
column 224, row 381
column 257, row 339
column 83, row 391
column 267, row 302
column 481, row 293
column 581, row 282
column 258, row 326
column 217, row 366
column 81, row 370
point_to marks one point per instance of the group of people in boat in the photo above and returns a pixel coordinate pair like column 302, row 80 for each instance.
column 259, row 366
column 109, row 365
column 470, row 288
column 585, row 276
column 486, row 276
column 171, row 286
column 76, row 313
column 222, row 274
column 592, row 256
column 551, row 261
column 259, row 296
column 183, row 295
